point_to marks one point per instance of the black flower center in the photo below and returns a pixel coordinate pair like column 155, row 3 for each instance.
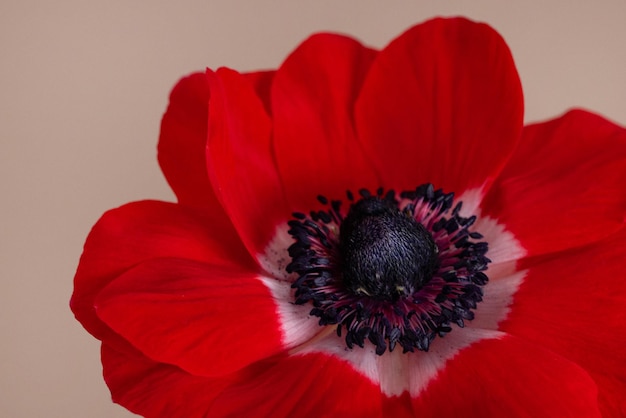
column 384, row 252
column 396, row 269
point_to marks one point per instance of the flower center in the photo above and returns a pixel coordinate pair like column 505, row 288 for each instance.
column 396, row 269
column 384, row 252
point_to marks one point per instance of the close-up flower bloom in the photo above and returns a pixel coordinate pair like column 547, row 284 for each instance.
column 368, row 233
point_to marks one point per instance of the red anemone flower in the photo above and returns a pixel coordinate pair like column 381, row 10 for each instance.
column 367, row 233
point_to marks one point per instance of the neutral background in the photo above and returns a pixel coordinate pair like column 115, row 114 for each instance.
column 83, row 86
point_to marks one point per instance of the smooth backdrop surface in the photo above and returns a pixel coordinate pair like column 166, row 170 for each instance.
column 83, row 85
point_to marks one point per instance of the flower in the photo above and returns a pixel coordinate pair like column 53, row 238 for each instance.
column 368, row 233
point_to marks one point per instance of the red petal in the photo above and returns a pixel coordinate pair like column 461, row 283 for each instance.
column 208, row 320
column 141, row 231
column 312, row 100
column 262, row 83
column 300, row 386
column 564, row 185
column 156, row 390
column 441, row 104
column 508, row 378
column 573, row 303
column 239, row 159
column 183, row 141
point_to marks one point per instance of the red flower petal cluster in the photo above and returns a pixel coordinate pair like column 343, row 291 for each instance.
column 193, row 304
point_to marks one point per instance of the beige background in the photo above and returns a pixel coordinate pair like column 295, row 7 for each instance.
column 82, row 88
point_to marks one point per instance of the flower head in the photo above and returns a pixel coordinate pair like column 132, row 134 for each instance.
column 368, row 233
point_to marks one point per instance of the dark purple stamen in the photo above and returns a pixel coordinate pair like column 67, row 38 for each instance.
column 396, row 269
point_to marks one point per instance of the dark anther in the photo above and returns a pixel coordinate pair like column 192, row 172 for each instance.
column 323, row 200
